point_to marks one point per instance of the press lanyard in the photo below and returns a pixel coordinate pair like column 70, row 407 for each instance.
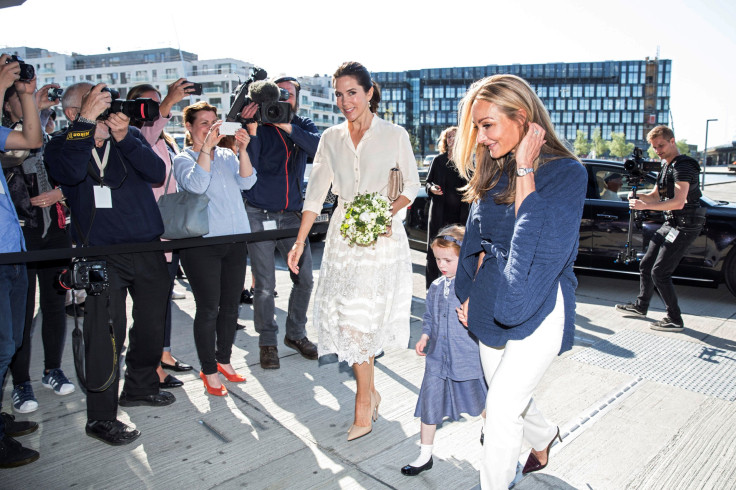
column 102, row 164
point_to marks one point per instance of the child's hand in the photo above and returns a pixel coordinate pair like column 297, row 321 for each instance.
column 419, row 348
column 462, row 313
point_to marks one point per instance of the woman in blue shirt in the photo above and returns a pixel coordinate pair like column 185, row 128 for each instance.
column 515, row 275
column 215, row 272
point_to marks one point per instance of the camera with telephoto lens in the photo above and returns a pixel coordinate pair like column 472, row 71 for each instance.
column 142, row 109
column 27, row 72
column 271, row 100
column 90, row 275
column 638, row 167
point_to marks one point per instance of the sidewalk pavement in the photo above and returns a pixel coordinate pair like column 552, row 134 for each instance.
column 636, row 408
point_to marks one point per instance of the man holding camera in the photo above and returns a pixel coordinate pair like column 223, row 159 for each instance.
column 13, row 278
column 279, row 154
column 106, row 169
column 676, row 194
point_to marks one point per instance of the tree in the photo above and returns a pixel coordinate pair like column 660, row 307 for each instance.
column 652, row 154
column 598, row 145
column 581, row 144
column 683, row 147
column 618, row 145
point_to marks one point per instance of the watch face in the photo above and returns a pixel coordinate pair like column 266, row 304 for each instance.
column 523, row 171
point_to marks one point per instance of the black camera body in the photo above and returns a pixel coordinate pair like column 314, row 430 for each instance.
column 55, row 93
column 90, row 275
column 27, row 72
column 142, row 109
column 271, row 106
column 637, row 167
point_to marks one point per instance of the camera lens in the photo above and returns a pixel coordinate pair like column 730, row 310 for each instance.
column 273, row 112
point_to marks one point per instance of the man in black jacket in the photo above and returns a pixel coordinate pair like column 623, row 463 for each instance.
column 106, row 169
column 279, row 153
column 678, row 195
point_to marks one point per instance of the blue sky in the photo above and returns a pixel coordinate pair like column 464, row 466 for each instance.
column 304, row 38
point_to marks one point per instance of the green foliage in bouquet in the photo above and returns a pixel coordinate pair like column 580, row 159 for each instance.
column 366, row 217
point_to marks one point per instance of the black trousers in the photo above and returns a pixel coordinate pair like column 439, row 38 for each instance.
column 216, row 274
column 145, row 277
column 658, row 264
column 51, row 302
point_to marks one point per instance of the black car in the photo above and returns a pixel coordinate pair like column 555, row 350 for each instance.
column 604, row 230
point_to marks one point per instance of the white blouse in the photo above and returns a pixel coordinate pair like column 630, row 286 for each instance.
column 364, row 169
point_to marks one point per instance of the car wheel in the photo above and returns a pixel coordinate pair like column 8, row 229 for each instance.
column 729, row 272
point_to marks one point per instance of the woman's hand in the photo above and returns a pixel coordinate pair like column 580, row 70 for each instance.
column 46, row 199
column 462, row 313
column 243, row 138
column 42, row 97
column 530, row 146
column 213, row 137
column 436, row 190
column 292, row 259
column 419, row 348
column 177, row 91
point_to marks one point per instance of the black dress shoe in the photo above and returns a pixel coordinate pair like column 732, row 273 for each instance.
column 160, row 399
column 112, row 432
column 246, row 297
column 177, row 366
column 17, row 428
column 410, row 470
column 13, row 454
column 170, row 382
column 304, row 346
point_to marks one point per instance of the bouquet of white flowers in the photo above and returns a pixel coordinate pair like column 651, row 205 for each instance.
column 366, row 217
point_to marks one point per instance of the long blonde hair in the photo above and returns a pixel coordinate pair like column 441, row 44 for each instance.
column 511, row 95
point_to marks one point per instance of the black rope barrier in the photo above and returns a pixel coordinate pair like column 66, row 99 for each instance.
column 121, row 248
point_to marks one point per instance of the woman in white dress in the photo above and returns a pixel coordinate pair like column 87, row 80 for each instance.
column 363, row 298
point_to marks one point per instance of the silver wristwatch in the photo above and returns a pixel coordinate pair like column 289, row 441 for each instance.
column 523, row 171
column 85, row 120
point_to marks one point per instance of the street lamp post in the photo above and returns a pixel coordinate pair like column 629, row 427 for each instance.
column 705, row 152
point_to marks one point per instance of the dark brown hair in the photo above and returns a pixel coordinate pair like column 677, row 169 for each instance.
column 363, row 77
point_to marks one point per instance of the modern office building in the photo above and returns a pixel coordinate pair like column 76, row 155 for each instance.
column 161, row 67
column 628, row 97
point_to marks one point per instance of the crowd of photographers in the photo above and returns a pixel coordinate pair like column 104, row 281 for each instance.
column 96, row 183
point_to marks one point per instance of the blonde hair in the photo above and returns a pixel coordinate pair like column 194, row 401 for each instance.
column 442, row 141
column 660, row 131
column 455, row 231
column 511, row 95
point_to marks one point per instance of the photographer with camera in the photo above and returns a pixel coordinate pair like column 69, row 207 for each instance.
column 279, row 154
column 106, row 169
column 13, row 278
column 677, row 194
column 39, row 204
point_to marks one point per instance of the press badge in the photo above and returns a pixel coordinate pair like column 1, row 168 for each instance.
column 672, row 235
column 103, row 197
column 269, row 225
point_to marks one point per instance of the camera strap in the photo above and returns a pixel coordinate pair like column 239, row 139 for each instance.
column 101, row 164
column 79, row 354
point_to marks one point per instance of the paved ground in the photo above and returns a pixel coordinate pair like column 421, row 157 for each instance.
column 637, row 409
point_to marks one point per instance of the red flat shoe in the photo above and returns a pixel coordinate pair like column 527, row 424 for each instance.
column 233, row 378
column 221, row 391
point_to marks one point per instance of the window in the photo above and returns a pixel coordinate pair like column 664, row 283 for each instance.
column 600, row 91
column 577, row 90
column 560, row 104
column 450, row 92
column 613, row 90
column 554, row 91
column 571, row 133
column 637, row 90
column 572, row 105
column 427, row 92
column 632, row 104
column 606, row 132
column 555, row 116
column 615, row 117
column 439, row 92
column 595, row 104
column 446, row 105
column 172, row 74
column 626, row 117
column 625, row 91
column 631, row 132
column 608, row 104
column 639, row 117
column 602, row 117
column 579, row 117
column 542, row 92
column 567, row 117
column 589, row 90
column 620, row 104
column 590, row 117
column 584, row 105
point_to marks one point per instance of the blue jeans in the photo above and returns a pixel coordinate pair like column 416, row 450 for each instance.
column 13, row 287
column 263, row 267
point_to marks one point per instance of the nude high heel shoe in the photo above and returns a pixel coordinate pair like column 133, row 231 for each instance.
column 357, row 431
column 375, row 401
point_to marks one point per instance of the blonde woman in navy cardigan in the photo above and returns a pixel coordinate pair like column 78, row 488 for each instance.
column 515, row 277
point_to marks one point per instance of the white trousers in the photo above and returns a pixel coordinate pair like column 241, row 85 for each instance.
column 512, row 373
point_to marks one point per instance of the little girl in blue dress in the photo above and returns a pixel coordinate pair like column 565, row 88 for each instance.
column 453, row 378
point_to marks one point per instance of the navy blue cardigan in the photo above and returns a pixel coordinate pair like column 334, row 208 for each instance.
column 527, row 256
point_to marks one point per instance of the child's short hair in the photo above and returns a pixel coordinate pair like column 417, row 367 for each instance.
column 450, row 236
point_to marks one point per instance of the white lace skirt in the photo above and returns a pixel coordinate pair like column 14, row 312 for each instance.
column 363, row 297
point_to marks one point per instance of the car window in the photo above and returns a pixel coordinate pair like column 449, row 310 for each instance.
column 612, row 184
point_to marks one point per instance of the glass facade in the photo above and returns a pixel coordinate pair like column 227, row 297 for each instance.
column 629, row 97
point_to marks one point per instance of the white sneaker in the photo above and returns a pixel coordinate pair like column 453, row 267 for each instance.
column 177, row 294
